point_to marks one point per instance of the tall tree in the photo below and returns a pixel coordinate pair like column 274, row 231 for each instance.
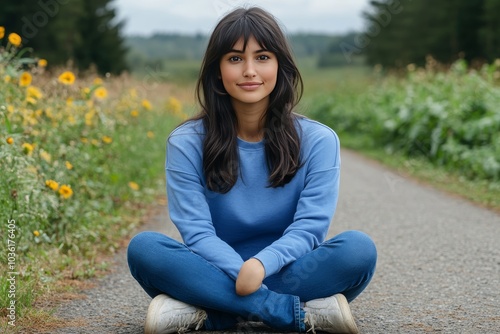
column 102, row 45
column 445, row 30
column 490, row 32
column 81, row 31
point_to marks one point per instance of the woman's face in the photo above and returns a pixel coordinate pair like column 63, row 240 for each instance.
column 249, row 75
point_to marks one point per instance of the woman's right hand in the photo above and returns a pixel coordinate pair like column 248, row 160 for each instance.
column 250, row 277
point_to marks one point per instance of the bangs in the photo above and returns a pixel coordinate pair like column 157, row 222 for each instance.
column 245, row 27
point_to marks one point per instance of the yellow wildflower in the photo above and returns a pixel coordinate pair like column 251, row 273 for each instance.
column 45, row 156
column 86, row 92
column 150, row 134
column 107, row 139
column 68, row 165
column 2, row 32
column 84, row 140
column 15, row 39
column 30, row 100
column 34, row 92
column 89, row 117
column 36, row 233
column 28, row 148
column 101, row 93
column 174, row 105
column 133, row 185
column 65, row 191
column 25, row 79
column 69, row 101
column 10, row 108
column 134, row 113
column 97, row 81
column 10, row 141
column 71, row 120
column 42, row 63
column 7, row 79
column 52, row 184
column 146, row 104
column 48, row 113
column 95, row 142
column 67, row 78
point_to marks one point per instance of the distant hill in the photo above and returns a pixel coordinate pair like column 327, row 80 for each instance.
column 153, row 51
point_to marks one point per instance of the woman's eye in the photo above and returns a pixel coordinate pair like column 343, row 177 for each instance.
column 234, row 58
column 263, row 57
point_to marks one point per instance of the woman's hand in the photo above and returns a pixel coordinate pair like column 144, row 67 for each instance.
column 250, row 277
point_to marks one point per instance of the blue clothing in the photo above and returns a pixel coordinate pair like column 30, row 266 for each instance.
column 344, row 264
column 275, row 225
column 284, row 227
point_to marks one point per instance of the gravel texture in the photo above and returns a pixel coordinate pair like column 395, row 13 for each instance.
column 438, row 268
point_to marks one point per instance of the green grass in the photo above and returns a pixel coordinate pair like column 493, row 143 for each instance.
column 110, row 153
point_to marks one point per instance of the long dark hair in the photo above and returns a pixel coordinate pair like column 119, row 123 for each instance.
column 281, row 138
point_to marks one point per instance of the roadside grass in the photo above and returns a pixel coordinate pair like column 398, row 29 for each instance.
column 81, row 160
column 483, row 193
column 361, row 105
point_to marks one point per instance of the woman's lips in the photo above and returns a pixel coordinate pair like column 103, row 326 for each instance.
column 250, row 85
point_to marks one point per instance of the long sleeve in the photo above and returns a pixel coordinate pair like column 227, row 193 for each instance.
column 188, row 206
column 315, row 207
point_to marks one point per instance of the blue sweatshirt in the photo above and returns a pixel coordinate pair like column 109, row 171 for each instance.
column 274, row 225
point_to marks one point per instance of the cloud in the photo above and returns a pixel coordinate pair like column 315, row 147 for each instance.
column 148, row 16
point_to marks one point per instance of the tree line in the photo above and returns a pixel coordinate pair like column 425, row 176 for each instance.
column 83, row 31
column 401, row 32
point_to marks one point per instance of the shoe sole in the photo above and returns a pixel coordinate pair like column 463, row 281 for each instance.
column 351, row 326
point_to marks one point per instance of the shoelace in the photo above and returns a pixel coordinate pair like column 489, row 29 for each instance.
column 309, row 320
column 200, row 317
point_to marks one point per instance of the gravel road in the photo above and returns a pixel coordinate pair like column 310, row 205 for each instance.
column 438, row 268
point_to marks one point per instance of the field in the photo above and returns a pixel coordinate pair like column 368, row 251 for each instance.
column 81, row 156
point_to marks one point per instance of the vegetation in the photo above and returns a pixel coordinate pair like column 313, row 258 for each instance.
column 84, row 32
column 447, row 122
column 80, row 159
column 404, row 32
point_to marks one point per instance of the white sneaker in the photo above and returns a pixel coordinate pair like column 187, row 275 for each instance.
column 330, row 314
column 168, row 315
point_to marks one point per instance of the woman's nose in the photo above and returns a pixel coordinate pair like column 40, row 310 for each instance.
column 249, row 70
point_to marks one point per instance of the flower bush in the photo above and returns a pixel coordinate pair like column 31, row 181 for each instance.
column 78, row 156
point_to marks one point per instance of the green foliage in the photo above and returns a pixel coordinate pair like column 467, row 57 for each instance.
column 82, row 31
column 76, row 167
column 451, row 119
column 101, row 42
column 404, row 32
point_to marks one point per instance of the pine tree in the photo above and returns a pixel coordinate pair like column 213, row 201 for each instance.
column 102, row 45
column 80, row 31
column 490, row 32
column 445, row 30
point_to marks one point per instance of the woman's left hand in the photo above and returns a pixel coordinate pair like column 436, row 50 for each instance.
column 250, row 277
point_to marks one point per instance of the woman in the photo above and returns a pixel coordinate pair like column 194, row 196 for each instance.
column 252, row 188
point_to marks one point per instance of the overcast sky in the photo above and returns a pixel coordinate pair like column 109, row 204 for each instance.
column 144, row 17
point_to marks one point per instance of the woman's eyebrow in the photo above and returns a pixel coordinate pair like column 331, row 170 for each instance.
column 242, row 51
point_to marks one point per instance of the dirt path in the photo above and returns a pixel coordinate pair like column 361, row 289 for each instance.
column 438, row 269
